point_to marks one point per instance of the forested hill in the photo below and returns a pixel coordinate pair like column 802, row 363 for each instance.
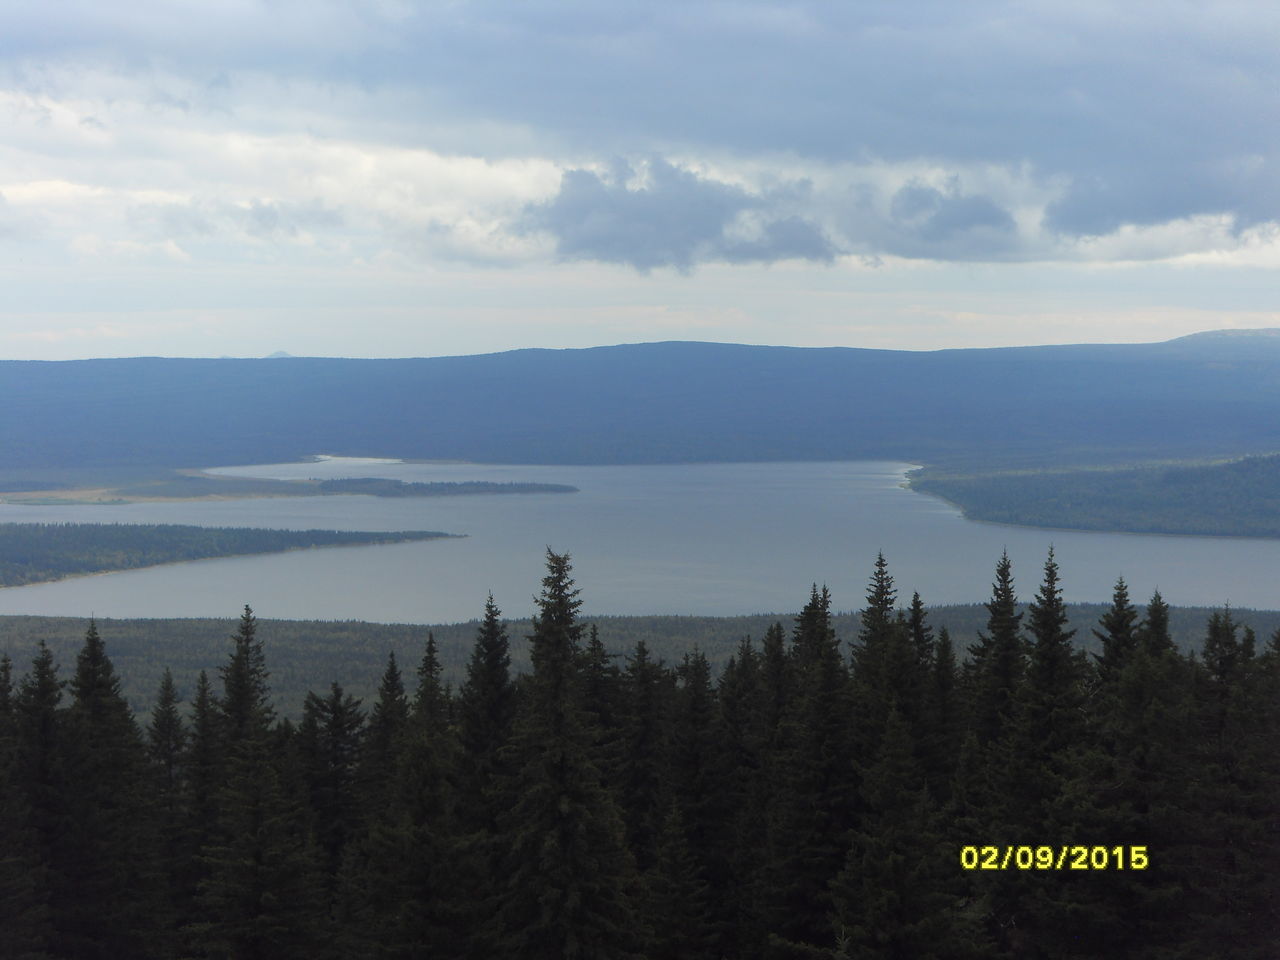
column 1208, row 395
column 1240, row 498
column 886, row 794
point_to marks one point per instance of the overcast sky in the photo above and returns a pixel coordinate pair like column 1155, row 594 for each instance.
column 383, row 178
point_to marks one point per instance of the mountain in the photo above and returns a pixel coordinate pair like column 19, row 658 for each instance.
column 1202, row 396
column 1262, row 332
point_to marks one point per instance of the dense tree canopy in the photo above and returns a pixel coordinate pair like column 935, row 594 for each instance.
column 821, row 796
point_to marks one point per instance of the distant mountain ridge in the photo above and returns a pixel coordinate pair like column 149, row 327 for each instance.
column 1200, row 396
column 1234, row 333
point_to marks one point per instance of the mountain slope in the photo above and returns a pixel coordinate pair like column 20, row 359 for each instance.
column 661, row 402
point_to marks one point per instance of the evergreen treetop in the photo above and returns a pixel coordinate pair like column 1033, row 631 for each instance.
column 486, row 701
column 1119, row 634
column 1154, row 632
column 245, row 706
column 431, row 702
column 998, row 659
column 571, row 881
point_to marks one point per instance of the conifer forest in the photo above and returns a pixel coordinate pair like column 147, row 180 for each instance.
column 881, row 795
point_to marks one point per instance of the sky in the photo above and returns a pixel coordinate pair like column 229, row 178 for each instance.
column 385, row 178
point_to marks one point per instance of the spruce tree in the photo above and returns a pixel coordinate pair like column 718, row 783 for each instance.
column 1054, row 701
column 245, row 707
column 261, row 898
column 882, row 598
column 417, row 877
column 602, row 703
column 775, row 677
column 642, row 775
column 25, row 921
column 884, row 664
column 102, row 908
column 166, row 754
column 742, row 731
column 570, row 878
column 329, row 741
column 40, row 734
column 873, row 654
column 260, row 893
column 998, row 661
column 1234, row 798
column 431, row 708
column 919, row 667
column 811, row 809
column 1033, row 757
column 697, row 772
column 382, row 738
column 897, row 895
column 205, row 761
column 1154, row 631
column 486, row 712
column 25, row 925
column 1137, row 787
column 943, row 729
column 167, row 742
column 1042, row 776
column 376, row 773
column 812, row 632
column 1119, row 634
column 677, row 900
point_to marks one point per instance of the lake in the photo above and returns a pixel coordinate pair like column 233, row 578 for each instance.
column 708, row 539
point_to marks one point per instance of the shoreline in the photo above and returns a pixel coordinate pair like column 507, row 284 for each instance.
column 966, row 515
column 910, row 479
column 117, row 496
column 230, row 556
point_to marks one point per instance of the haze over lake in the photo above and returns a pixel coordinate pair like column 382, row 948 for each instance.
column 706, row 539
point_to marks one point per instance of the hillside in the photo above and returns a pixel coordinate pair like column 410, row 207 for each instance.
column 1240, row 498
column 1203, row 396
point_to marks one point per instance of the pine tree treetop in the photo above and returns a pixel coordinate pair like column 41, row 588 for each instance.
column 95, row 682
column 245, row 705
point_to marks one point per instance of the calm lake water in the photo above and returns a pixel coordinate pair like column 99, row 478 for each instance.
column 691, row 539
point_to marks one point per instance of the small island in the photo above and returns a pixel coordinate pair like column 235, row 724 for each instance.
column 42, row 552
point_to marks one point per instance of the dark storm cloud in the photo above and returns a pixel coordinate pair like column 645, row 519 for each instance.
column 674, row 219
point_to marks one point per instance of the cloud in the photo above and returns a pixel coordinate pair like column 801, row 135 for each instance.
column 8, row 223
column 788, row 238
column 928, row 223
column 665, row 215
column 671, row 218
column 454, row 129
column 1147, row 111
column 1102, row 203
